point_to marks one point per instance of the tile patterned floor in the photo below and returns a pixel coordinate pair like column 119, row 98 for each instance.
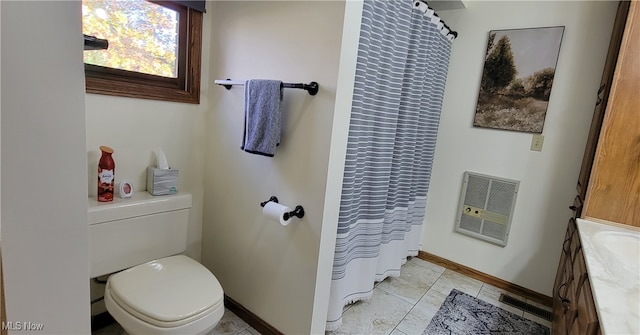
column 399, row 306
column 230, row 324
column 405, row 305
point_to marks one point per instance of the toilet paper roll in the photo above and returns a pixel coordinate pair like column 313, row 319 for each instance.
column 275, row 211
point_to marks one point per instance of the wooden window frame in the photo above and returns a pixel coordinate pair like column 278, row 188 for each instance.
column 185, row 88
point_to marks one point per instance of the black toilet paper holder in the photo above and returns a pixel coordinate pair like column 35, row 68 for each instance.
column 273, row 198
column 297, row 212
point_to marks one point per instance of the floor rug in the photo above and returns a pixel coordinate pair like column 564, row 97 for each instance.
column 461, row 314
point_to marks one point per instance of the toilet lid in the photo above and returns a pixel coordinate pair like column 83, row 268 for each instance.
column 172, row 290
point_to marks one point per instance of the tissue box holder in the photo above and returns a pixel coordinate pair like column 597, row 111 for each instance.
column 162, row 182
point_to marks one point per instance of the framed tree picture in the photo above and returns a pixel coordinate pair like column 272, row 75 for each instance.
column 519, row 67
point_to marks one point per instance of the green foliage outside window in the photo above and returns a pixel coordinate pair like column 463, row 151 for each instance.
column 143, row 36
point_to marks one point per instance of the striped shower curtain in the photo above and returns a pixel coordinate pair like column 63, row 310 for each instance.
column 401, row 71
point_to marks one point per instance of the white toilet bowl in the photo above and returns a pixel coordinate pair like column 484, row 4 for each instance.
column 172, row 295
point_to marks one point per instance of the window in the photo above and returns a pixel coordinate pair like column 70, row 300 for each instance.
column 154, row 49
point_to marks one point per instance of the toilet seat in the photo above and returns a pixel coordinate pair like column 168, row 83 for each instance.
column 167, row 293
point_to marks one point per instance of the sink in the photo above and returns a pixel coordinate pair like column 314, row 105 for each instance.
column 620, row 243
column 612, row 256
column 622, row 249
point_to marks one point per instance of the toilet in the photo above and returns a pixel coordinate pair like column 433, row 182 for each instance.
column 155, row 290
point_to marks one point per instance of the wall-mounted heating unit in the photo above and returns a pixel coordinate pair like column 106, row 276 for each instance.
column 486, row 207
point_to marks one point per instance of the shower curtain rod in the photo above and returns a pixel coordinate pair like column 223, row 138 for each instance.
column 451, row 31
column 428, row 11
column 311, row 87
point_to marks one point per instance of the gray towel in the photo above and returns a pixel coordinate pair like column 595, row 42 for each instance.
column 262, row 116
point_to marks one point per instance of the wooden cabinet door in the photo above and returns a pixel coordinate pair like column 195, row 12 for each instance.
column 614, row 187
column 563, row 281
column 603, row 97
column 587, row 316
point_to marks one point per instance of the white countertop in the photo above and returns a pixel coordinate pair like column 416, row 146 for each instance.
column 612, row 256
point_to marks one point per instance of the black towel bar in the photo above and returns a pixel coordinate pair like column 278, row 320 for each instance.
column 311, row 87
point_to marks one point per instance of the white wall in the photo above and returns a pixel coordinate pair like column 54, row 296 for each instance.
column 44, row 230
column 135, row 129
column 277, row 272
column 548, row 178
column 268, row 268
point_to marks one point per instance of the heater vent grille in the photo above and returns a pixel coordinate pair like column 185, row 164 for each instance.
column 486, row 207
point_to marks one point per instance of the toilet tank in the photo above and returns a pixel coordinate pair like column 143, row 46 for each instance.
column 128, row 232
